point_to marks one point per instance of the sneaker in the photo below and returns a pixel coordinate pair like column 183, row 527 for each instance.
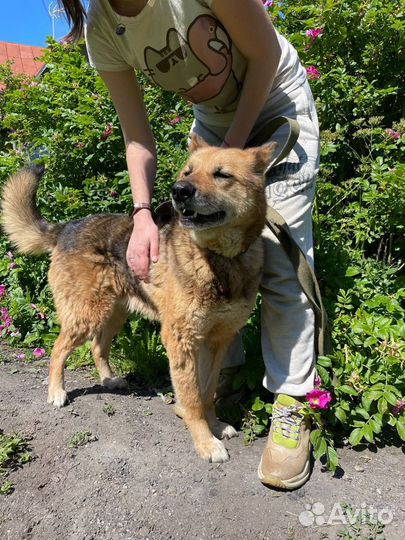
column 285, row 462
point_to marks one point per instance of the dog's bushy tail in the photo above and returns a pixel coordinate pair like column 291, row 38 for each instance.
column 21, row 220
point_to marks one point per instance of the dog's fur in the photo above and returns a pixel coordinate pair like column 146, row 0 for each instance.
column 202, row 289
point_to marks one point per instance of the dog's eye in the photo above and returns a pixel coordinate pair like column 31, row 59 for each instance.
column 219, row 173
column 187, row 172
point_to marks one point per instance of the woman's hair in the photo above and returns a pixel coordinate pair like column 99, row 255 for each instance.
column 76, row 15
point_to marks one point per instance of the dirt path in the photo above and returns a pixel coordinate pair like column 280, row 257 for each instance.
column 142, row 480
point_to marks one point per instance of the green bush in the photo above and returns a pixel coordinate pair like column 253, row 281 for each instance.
column 354, row 53
column 66, row 118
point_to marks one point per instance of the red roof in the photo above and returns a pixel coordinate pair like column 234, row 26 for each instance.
column 22, row 57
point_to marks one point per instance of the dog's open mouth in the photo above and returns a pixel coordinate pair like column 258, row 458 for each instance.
column 190, row 218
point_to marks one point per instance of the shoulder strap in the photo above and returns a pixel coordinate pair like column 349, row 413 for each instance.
column 264, row 134
column 276, row 223
column 305, row 275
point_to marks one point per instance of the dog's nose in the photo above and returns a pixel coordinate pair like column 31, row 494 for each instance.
column 182, row 191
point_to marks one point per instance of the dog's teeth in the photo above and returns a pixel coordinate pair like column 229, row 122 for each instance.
column 184, row 211
column 195, row 215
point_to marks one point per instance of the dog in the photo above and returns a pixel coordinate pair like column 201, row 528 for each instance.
column 202, row 289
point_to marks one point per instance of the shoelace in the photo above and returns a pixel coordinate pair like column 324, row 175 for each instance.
column 287, row 422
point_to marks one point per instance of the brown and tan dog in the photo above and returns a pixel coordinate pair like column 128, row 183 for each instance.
column 202, row 289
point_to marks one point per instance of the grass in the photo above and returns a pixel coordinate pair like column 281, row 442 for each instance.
column 13, row 454
column 108, row 409
column 81, row 438
column 364, row 527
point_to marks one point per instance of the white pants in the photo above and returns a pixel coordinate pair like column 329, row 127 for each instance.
column 287, row 320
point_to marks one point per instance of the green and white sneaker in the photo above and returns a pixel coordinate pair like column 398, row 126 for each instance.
column 285, row 461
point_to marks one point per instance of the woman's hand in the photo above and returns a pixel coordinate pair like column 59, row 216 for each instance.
column 126, row 94
column 143, row 246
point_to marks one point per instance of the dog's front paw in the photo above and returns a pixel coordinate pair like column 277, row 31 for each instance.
column 213, row 451
column 115, row 383
column 57, row 397
column 223, row 431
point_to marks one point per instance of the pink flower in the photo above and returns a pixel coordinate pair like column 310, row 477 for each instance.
column 5, row 316
column 15, row 334
column 319, row 399
column 175, row 120
column 33, row 306
column 2, row 290
column 6, row 319
column 10, row 255
column 114, row 194
column 13, row 265
column 396, row 409
column 79, row 145
column 317, row 381
column 268, row 3
column 313, row 73
column 395, row 135
column 38, row 352
column 314, row 33
column 107, row 132
column 21, row 356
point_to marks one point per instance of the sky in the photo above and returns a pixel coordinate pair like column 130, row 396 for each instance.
column 27, row 22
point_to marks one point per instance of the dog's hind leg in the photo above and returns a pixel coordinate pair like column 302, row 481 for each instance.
column 101, row 346
column 64, row 345
column 184, row 372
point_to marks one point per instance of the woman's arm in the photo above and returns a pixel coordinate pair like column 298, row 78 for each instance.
column 252, row 32
column 141, row 159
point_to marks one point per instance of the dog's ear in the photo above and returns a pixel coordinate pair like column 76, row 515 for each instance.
column 196, row 142
column 263, row 155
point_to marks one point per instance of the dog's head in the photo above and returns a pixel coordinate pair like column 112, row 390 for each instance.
column 221, row 187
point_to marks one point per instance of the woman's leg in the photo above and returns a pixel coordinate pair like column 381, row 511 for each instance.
column 287, row 317
column 288, row 323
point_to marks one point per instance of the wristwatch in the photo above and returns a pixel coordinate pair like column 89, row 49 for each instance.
column 139, row 206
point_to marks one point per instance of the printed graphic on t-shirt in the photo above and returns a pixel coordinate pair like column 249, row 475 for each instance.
column 199, row 67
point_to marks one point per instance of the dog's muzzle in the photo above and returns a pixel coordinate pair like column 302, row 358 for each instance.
column 192, row 213
column 183, row 192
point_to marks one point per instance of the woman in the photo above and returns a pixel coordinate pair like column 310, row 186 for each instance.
column 226, row 57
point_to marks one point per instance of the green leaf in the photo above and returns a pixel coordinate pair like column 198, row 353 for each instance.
column 356, row 436
column 315, row 437
column 382, row 406
column 347, row 390
column 341, row 415
column 366, row 402
column 401, row 428
column 324, row 375
column 258, row 404
column 321, row 448
column 333, row 458
column 362, row 413
column 353, row 271
column 258, row 429
column 373, row 395
column 324, row 361
column 391, row 398
column 375, row 425
column 368, row 433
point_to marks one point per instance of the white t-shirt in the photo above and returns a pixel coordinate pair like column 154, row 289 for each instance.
column 182, row 47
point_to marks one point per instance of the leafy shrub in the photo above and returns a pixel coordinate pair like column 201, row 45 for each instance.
column 354, row 55
column 67, row 119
